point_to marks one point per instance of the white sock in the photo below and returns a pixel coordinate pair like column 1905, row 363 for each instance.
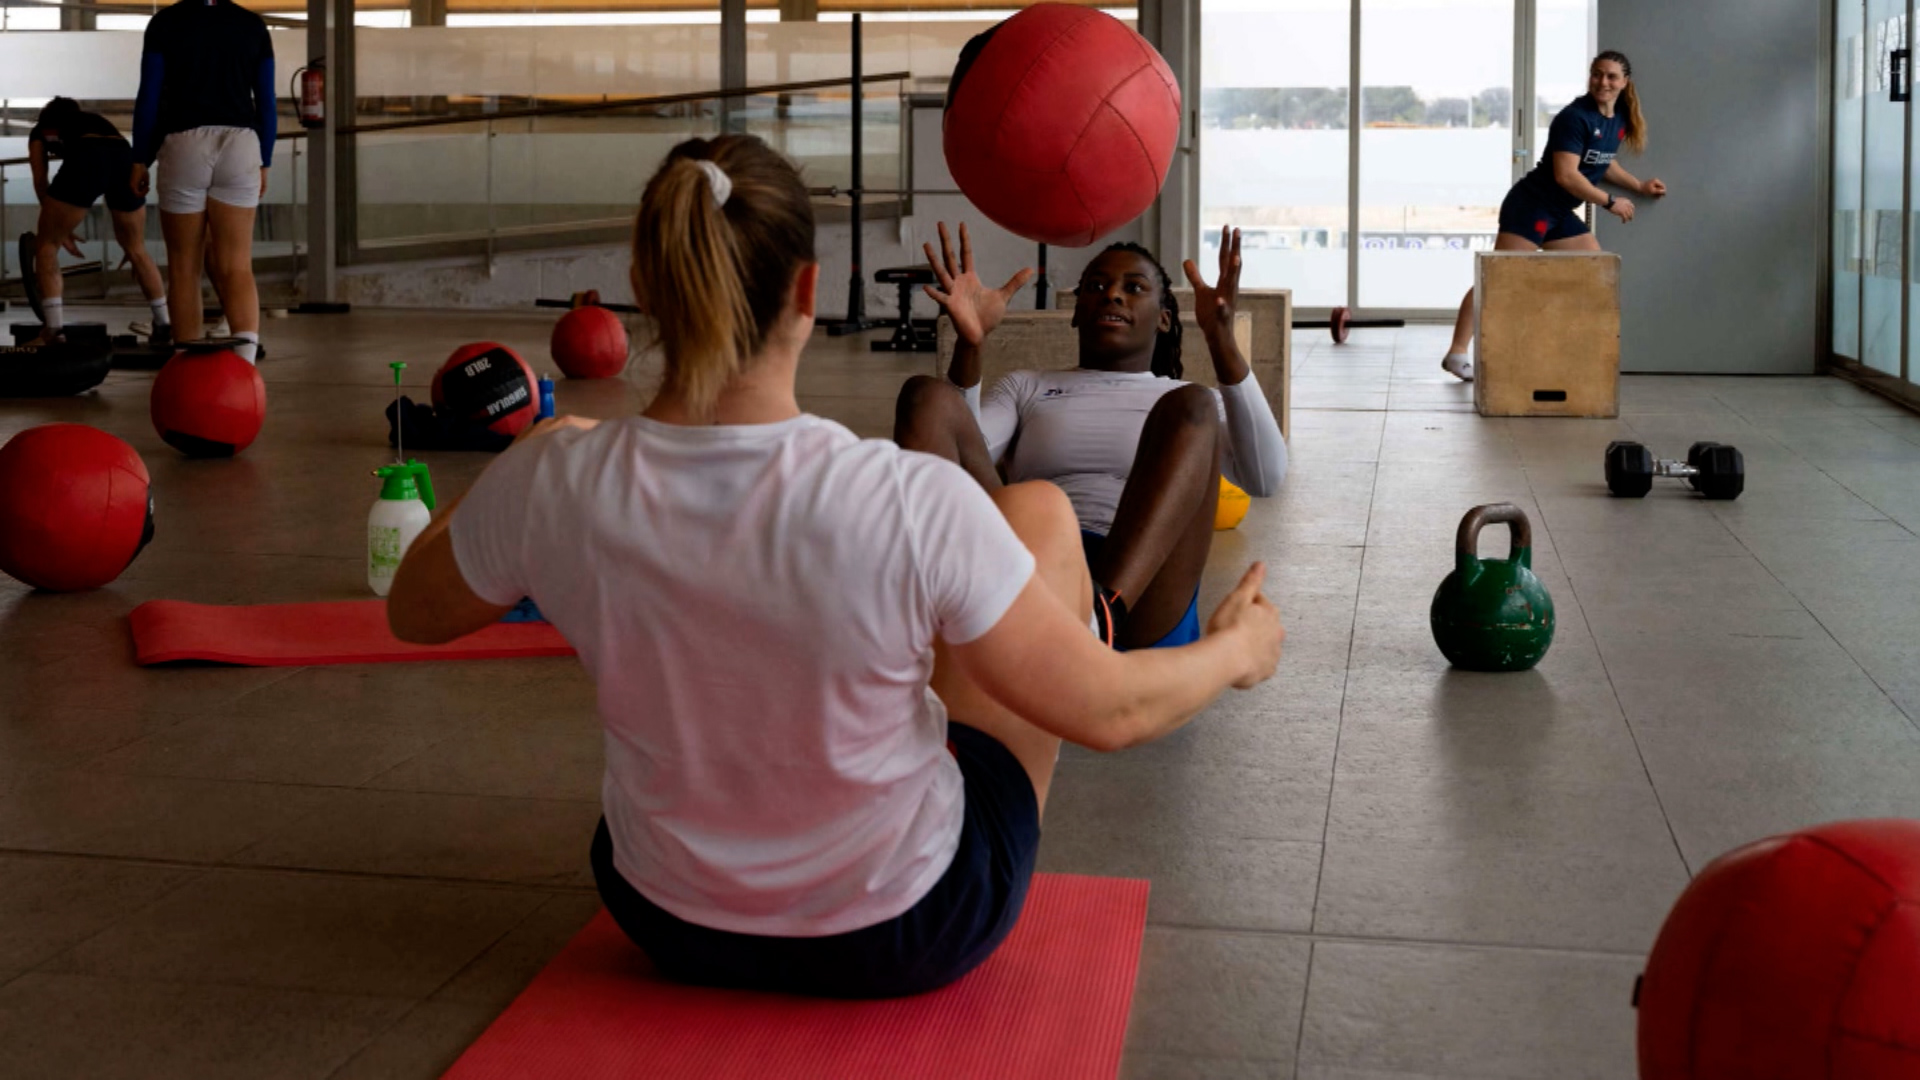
column 159, row 312
column 56, row 312
column 249, row 346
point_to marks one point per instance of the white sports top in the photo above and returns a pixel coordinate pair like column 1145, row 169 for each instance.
column 1081, row 429
column 757, row 607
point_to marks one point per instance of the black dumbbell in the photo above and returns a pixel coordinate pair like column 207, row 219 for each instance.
column 1712, row 469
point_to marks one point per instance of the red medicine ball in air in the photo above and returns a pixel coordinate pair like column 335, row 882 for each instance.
column 488, row 386
column 1061, row 123
column 1794, row 957
column 208, row 403
column 590, row 343
column 75, row 507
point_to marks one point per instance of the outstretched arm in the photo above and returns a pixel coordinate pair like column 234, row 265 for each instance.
column 1620, row 177
column 1256, row 457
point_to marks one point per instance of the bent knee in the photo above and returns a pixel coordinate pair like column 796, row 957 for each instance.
column 1037, row 507
column 1191, row 405
column 924, row 392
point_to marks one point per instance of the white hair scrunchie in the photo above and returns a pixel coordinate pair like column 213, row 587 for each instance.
column 717, row 179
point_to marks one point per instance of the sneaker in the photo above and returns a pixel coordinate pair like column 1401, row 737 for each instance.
column 161, row 337
column 220, row 329
column 1458, row 366
column 140, row 329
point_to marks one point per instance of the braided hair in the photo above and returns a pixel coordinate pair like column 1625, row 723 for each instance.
column 1166, row 344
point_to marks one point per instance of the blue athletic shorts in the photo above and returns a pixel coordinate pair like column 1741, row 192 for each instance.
column 1525, row 213
column 1184, row 632
column 958, row 924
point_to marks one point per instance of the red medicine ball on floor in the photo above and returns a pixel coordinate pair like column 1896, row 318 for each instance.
column 590, row 343
column 208, row 403
column 75, row 507
column 1061, row 123
column 488, row 386
column 1794, row 957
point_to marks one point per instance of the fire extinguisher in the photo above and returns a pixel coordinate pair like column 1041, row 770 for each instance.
column 310, row 91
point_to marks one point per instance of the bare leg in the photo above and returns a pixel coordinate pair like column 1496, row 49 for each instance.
column 1463, row 326
column 185, row 235
column 56, row 224
column 130, row 232
column 1044, row 520
column 232, row 264
column 1157, row 548
column 931, row 416
column 1583, row 242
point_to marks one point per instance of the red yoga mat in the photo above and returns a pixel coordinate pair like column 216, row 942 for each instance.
column 1050, row 1004
column 339, row 632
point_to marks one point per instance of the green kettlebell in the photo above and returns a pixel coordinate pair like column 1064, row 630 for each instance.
column 1493, row 614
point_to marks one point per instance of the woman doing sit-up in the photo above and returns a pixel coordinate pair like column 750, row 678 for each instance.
column 827, row 743
column 1138, row 451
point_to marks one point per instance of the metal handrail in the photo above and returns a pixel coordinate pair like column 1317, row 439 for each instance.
column 620, row 103
column 284, row 136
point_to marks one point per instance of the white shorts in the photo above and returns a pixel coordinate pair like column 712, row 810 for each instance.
column 218, row 163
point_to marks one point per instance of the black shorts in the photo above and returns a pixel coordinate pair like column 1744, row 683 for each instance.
column 90, row 168
column 958, row 924
column 1524, row 213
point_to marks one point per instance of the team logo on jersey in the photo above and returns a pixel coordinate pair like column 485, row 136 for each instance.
column 1599, row 157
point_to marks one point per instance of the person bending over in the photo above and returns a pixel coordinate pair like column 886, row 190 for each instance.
column 95, row 161
column 1138, row 451
column 1542, row 210
column 206, row 114
column 827, row 745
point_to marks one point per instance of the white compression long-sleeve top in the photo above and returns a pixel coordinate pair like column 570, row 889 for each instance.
column 1080, row 429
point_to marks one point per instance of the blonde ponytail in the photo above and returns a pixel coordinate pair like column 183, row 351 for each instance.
column 714, row 258
column 1634, row 139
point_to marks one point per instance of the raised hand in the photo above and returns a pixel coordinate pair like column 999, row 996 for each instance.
column 974, row 308
column 1213, row 305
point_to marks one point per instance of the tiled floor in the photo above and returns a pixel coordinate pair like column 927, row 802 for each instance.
column 1370, row 867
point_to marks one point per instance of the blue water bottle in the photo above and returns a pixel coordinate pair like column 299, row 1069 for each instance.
column 546, row 397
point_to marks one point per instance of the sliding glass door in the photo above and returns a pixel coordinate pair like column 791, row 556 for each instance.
column 1874, row 263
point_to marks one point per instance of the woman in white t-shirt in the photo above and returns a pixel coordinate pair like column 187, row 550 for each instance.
column 1137, row 450
column 780, row 618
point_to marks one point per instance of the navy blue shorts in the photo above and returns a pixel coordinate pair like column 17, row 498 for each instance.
column 1524, row 213
column 958, row 924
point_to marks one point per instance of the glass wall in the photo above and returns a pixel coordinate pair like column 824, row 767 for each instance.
column 1436, row 140
column 1849, row 158
column 1273, row 141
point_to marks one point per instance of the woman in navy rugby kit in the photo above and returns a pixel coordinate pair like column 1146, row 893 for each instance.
column 1542, row 210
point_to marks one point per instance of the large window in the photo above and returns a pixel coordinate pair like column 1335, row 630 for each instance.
column 1437, row 137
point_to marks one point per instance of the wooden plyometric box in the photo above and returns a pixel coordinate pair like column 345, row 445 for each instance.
column 1047, row 341
column 1547, row 329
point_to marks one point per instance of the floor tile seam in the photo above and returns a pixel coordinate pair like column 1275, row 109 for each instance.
column 227, row 865
column 1306, row 995
column 376, row 1036
column 225, row 984
column 1346, row 679
column 1316, row 937
column 304, row 786
column 191, row 877
column 1913, row 721
column 1614, row 689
